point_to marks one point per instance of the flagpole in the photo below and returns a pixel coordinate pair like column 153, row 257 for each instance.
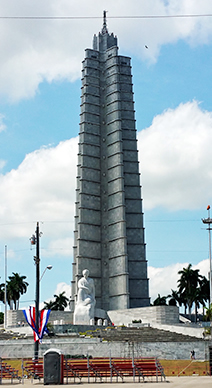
column 208, row 221
column 37, row 289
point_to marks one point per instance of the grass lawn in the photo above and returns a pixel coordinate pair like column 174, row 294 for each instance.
column 185, row 367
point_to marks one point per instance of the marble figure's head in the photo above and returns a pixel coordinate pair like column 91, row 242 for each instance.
column 85, row 273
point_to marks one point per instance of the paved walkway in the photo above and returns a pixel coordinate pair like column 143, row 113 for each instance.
column 173, row 382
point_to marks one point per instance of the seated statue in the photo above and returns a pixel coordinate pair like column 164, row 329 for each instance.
column 84, row 309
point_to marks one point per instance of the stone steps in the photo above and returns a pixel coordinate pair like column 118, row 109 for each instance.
column 143, row 334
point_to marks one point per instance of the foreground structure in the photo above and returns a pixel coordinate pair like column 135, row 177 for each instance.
column 109, row 233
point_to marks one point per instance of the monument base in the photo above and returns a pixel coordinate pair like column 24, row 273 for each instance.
column 82, row 317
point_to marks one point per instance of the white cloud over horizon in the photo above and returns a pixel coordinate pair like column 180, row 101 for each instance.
column 169, row 274
column 175, row 158
column 164, row 279
column 32, row 51
column 174, row 161
column 176, row 174
column 41, row 189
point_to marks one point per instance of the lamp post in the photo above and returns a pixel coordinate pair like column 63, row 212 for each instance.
column 35, row 240
column 37, row 285
column 48, row 267
column 208, row 221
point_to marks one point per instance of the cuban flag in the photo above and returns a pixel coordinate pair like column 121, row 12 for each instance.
column 44, row 316
column 30, row 318
column 43, row 319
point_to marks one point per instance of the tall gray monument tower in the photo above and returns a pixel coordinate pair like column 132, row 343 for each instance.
column 109, row 233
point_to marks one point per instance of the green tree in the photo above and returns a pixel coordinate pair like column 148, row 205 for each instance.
column 187, row 286
column 1, row 318
column 208, row 315
column 205, row 291
column 10, row 294
column 16, row 286
column 175, row 298
column 202, row 294
column 59, row 303
column 198, row 300
column 160, row 301
column 49, row 305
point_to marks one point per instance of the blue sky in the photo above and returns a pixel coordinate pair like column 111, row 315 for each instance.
column 39, row 123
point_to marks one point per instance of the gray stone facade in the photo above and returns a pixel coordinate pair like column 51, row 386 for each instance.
column 109, row 232
column 24, row 348
column 153, row 314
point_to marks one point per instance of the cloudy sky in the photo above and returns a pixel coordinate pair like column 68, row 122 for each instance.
column 41, row 49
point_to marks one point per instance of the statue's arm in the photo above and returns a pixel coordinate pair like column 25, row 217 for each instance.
column 84, row 288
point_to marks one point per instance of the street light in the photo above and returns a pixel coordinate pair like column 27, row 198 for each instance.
column 208, row 221
column 35, row 240
column 48, row 267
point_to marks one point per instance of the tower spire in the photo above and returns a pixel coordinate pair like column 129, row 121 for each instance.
column 104, row 28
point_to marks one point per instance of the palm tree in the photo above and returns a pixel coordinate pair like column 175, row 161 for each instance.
column 205, row 291
column 198, row 300
column 202, row 294
column 208, row 315
column 175, row 298
column 11, row 292
column 16, row 286
column 160, row 301
column 187, row 285
column 61, row 301
column 49, row 305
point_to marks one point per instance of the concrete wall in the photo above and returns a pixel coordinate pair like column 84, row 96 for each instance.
column 57, row 317
column 153, row 314
column 92, row 346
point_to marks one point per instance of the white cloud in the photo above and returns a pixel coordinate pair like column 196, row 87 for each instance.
column 2, row 125
column 176, row 174
column 35, row 50
column 41, row 189
column 175, row 155
column 63, row 287
column 2, row 128
column 163, row 280
column 175, row 162
column 61, row 245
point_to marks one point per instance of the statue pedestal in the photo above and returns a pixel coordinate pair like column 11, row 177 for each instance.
column 83, row 314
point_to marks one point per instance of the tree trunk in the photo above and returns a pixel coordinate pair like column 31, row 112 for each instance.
column 195, row 312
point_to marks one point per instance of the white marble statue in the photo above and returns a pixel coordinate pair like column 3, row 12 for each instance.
column 84, row 308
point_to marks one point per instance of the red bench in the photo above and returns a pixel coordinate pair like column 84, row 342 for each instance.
column 150, row 368
column 33, row 369
column 8, row 372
